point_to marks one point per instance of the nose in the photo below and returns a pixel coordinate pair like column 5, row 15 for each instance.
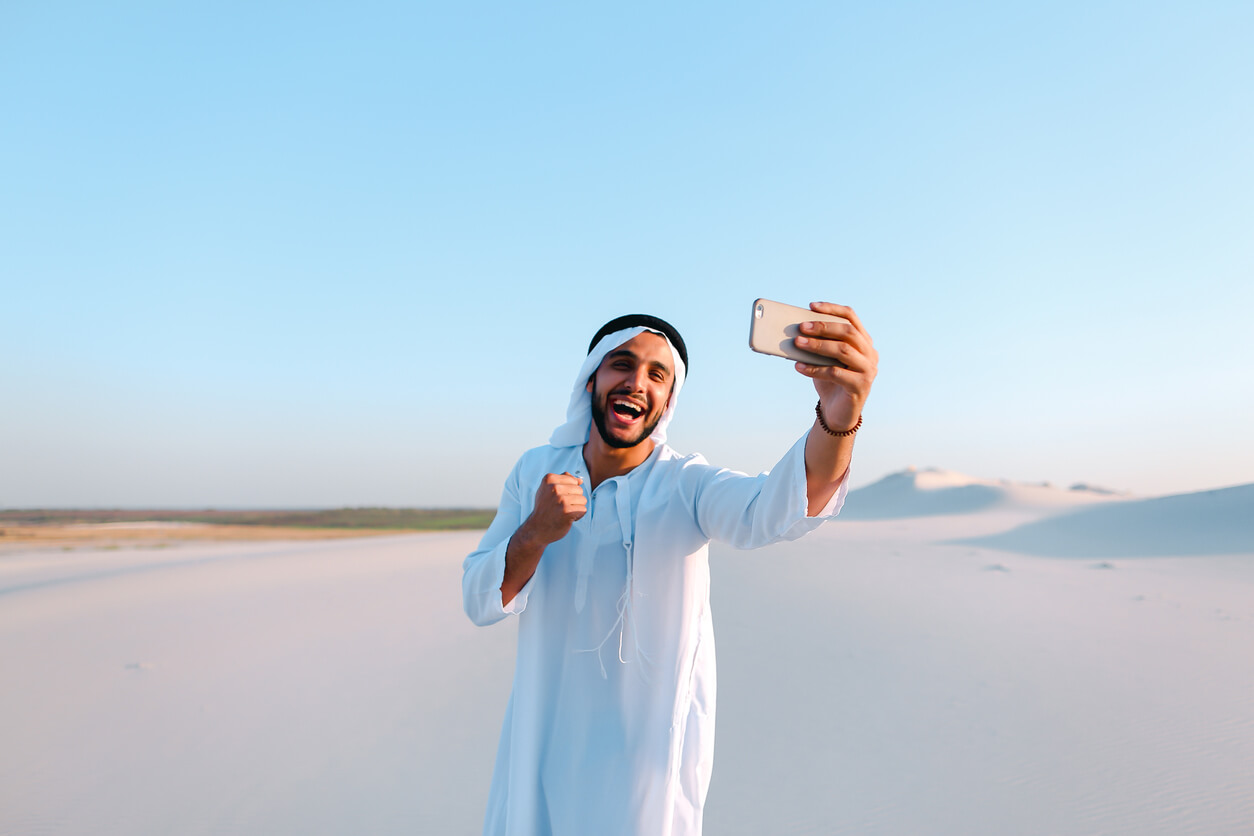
column 639, row 378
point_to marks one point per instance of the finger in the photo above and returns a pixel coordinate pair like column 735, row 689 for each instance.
column 561, row 479
column 844, row 353
column 839, row 310
column 810, row 370
column 829, row 330
column 835, row 331
column 827, row 346
column 849, row 379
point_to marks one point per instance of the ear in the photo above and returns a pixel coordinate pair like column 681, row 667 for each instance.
column 587, row 387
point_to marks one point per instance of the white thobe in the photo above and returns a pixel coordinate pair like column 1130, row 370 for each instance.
column 610, row 724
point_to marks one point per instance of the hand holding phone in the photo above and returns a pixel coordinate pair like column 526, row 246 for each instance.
column 775, row 326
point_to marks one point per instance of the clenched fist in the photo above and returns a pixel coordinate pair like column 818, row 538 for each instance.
column 559, row 502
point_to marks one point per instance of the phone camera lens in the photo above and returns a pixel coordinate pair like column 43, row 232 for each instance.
column 757, row 312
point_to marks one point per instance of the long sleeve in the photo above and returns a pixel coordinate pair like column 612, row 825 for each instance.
column 753, row 511
column 483, row 570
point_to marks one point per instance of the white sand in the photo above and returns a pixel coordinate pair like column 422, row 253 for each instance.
column 267, row 688
column 872, row 681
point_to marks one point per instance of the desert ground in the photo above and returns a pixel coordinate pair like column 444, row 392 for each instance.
column 953, row 656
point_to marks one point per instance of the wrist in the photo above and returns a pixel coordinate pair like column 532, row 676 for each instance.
column 842, row 433
column 528, row 537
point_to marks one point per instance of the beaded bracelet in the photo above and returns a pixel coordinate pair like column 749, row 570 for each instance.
column 818, row 410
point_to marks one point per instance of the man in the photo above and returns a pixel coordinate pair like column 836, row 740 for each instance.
column 600, row 548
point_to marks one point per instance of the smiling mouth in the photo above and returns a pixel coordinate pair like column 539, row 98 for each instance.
column 626, row 410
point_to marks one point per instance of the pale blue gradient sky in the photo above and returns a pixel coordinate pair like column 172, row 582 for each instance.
column 309, row 254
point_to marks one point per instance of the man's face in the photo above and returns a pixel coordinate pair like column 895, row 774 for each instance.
column 630, row 390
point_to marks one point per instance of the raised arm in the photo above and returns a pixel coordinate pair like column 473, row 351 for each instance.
column 842, row 394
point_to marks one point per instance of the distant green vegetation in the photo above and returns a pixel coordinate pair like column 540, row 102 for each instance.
column 398, row 519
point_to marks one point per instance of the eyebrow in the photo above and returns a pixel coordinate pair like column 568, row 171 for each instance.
column 627, row 352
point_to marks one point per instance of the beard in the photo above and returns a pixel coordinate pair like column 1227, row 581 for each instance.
column 598, row 420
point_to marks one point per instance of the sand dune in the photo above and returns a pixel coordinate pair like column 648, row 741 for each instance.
column 1208, row 522
column 936, row 492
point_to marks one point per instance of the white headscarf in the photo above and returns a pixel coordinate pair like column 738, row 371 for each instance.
column 578, row 424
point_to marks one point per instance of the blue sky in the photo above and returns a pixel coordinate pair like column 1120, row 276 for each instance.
column 301, row 254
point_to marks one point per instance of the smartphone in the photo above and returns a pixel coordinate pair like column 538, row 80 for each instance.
column 775, row 325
